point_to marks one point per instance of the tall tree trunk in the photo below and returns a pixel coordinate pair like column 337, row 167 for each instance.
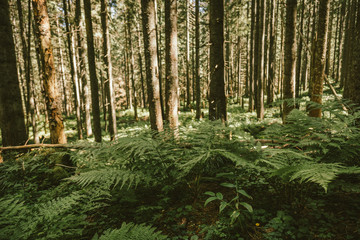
column 141, row 67
column 252, row 56
column 83, row 75
column 92, row 68
column 299, row 53
column 187, row 63
column 73, row 69
column 197, row 59
column 109, row 83
column 340, row 48
column 217, row 98
column 151, row 60
column 272, row 56
column 328, row 48
column 57, row 132
column 12, row 123
column 290, row 58
column 317, row 76
column 131, row 61
column 304, row 69
column 171, row 64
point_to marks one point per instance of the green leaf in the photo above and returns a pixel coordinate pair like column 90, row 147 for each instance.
column 242, row 192
column 210, row 199
column 247, row 206
column 228, row 185
column 222, row 206
column 210, row 194
column 219, row 196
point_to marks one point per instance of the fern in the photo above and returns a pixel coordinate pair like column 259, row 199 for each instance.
column 132, row 231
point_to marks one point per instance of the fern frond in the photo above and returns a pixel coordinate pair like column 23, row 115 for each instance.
column 132, row 231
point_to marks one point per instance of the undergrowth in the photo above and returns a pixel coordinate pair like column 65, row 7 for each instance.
column 263, row 180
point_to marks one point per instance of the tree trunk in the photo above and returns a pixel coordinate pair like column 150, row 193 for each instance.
column 57, row 133
column 272, row 56
column 73, row 69
column 217, row 99
column 141, row 68
column 92, row 68
column 252, row 54
column 109, row 83
column 131, row 58
column 187, row 63
column 197, row 59
column 12, row 123
column 299, row 53
column 171, row 64
column 290, row 58
column 82, row 69
column 317, row 76
column 151, row 60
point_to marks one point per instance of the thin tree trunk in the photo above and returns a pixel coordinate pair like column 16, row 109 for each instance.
column 252, row 56
column 188, row 81
column 141, row 67
column 272, row 56
column 92, row 69
column 171, row 64
column 83, row 75
column 197, row 59
column 299, row 54
column 109, row 83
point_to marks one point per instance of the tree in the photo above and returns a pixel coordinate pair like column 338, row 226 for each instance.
column 92, row 68
column 289, row 58
column 319, row 56
column 151, row 62
column 197, row 59
column 217, row 98
column 12, row 121
column 171, row 64
column 109, row 83
column 272, row 55
column 57, row 132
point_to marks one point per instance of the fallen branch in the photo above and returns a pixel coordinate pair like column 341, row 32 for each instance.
column 30, row 146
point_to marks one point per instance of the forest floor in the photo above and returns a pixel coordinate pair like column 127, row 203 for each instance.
column 213, row 182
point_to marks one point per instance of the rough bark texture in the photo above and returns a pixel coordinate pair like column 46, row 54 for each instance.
column 109, row 83
column 92, row 68
column 141, row 67
column 272, row 56
column 197, row 59
column 289, row 58
column 82, row 69
column 317, row 76
column 151, row 61
column 57, row 133
column 171, row 64
column 299, row 53
column 217, row 99
column 252, row 58
column 12, row 122
column 188, row 81
column 261, row 60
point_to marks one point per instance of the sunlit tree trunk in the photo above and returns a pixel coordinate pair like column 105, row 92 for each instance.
column 57, row 132
column 92, row 68
column 197, row 59
column 171, row 64
column 12, row 123
column 187, row 62
column 151, row 60
column 317, row 76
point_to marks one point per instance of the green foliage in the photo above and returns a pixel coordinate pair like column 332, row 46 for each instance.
column 132, row 231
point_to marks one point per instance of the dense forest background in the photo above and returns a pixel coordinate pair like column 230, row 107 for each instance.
column 186, row 119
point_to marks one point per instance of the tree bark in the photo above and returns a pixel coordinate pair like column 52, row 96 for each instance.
column 171, row 64
column 290, row 58
column 92, row 68
column 317, row 76
column 57, row 132
column 83, row 74
column 109, row 83
column 197, row 59
column 12, row 123
column 272, row 56
column 151, row 61
column 217, row 99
